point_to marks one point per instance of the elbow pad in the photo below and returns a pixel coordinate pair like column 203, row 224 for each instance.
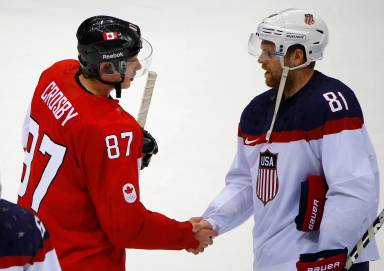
column 312, row 201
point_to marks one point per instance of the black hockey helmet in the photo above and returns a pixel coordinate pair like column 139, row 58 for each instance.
column 106, row 39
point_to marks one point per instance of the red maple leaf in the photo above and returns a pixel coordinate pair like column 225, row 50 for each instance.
column 129, row 190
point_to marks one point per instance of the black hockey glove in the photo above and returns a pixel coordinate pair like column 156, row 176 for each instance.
column 149, row 148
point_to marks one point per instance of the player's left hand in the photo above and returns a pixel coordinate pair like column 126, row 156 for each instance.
column 149, row 148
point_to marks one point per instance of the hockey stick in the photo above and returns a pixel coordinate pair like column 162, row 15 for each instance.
column 146, row 100
column 367, row 237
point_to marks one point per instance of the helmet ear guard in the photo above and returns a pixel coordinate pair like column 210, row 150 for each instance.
column 86, row 69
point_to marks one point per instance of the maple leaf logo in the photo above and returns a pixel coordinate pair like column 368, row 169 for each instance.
column 129, row 190
column 129, row 193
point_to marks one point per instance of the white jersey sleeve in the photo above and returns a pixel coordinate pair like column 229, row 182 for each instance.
column 49, row 263
column 234, row 204
column 350, row 168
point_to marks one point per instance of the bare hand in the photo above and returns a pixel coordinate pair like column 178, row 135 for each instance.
column 204, row 233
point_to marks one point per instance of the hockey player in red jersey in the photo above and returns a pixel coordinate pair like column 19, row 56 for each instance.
column 25, row 244
column 305, row 168
column 83, row 155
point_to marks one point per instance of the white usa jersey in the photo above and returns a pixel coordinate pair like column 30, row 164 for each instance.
column 318, row 131
column 24, row 241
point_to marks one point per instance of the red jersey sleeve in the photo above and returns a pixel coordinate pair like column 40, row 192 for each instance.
column 111, row 159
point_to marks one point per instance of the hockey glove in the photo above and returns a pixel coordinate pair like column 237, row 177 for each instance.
column 329, row 260
column 149, row 148
column 312, row 201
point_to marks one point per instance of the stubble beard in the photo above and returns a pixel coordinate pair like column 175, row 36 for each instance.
column 274, row 81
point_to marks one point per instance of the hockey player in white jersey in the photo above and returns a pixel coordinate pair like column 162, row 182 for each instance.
column 305, row 168
column 24, row 241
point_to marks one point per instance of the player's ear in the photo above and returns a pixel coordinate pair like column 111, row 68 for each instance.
column 299, row 56
column 295, row 55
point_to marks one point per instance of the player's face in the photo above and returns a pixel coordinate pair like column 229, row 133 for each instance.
column 111, row 71
column 271, row 64
column 133, row 65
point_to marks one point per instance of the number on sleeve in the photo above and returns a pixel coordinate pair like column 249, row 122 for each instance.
column 40, row 226
column 112, row 144
column 112, row 147
column 333, row 101
column 344, row 101
column 130, row 137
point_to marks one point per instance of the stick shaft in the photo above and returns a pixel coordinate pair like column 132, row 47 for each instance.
column 367, row 237
column 146, row 100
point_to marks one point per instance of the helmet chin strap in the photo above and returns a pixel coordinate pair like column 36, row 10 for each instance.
column 118, row 90
column 116, row 85
column 280, row 92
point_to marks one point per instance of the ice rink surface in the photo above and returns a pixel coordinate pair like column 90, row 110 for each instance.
column 205, row 79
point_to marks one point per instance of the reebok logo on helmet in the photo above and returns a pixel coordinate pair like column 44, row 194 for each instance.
column 115, row 55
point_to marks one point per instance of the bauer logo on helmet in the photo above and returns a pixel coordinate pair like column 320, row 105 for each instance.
column 295, row 36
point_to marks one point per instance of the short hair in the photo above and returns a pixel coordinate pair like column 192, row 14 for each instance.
column 292, row 48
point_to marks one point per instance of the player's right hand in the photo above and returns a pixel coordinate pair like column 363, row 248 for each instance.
column 149, row 148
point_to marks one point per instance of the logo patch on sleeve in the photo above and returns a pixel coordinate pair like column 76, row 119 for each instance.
column 129, row 193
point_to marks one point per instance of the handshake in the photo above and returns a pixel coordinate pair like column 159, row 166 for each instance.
column 203, row 233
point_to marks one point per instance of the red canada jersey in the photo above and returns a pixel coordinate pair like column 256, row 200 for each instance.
column 81, row 176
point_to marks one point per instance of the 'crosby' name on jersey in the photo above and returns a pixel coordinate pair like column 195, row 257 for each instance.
column 58, row 103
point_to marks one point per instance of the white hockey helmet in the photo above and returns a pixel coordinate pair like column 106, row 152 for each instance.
column 290, row 27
